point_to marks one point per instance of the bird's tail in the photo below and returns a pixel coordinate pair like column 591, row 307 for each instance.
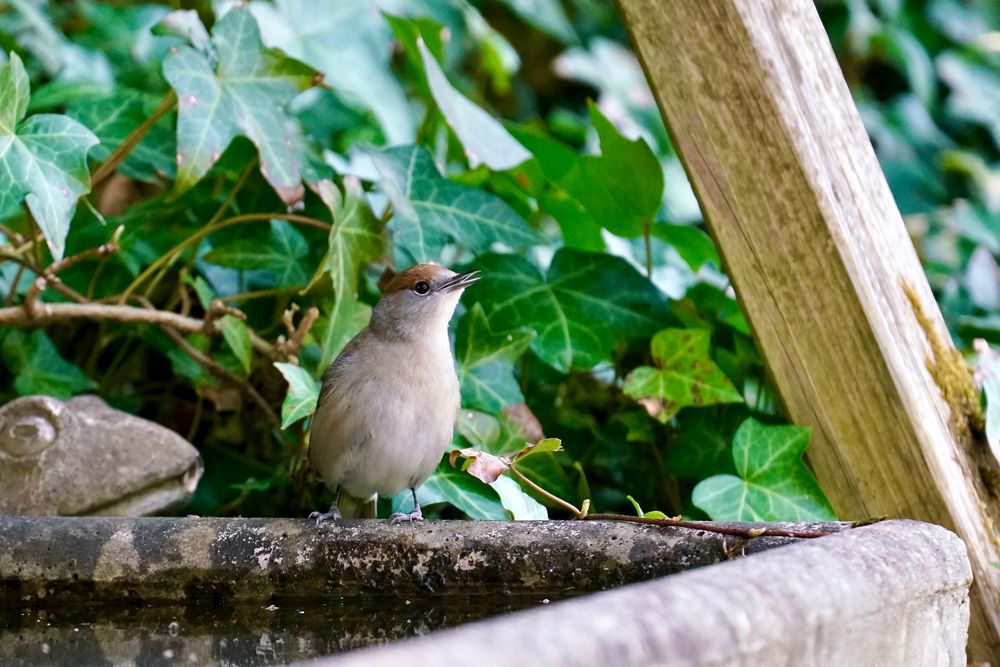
column 356, row 508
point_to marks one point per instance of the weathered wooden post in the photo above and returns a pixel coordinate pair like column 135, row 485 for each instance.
column 817, row 251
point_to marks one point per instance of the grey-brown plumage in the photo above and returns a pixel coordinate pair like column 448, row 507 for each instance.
column 387, row 409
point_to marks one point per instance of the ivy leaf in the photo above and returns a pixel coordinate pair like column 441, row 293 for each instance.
column 335, row 329
column 773, row 483
column 234, row 330
column 246, row 93
column 113, row 118
column 281, row 255
column 499, row 440
column 485, row 140
column 585, row 304
column 352, row 45
column 685, row 375
column 701, row 448
column 547, row 16
column 479, row 428
column 477, row 499
column 622, row 188
column 430, row 211
column 654, row 514
column 237, row 336
column 543, row 446
column 693, row 245
column 481, row 465
column 355, row 240
column 40, row 369
column 185, row 23
column 408, row 32
column 556, row 159
column 485, row 358
column 521, row 506
column 43, row 160
column 303, row 392
column 975, row 92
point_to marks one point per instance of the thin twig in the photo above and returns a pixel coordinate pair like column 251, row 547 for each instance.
column 386, row 215
column 12, row 292
column 13, row 237
column 171, row 255
column 219, row 212
column 221, row 372
column 258, row 294
column 101, row 251
column 67, row 291
column 46, row 313
column 288, row 347
column 710, row 527
column 132, row 140
column 48, row 277
column 216, row 311
column 11, row 257
column 199, row 409
column 36, row 237
column 556, row 499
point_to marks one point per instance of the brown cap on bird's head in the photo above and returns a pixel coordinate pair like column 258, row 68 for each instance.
column 423, row 279
column 419, row 300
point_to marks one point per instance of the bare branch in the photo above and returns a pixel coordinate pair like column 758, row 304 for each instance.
column 132, row 140
column 214, row 367
column 710, row 527
column 288, row 348
column 48, row 313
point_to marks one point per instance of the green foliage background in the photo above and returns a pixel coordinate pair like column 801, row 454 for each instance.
column 297, row 150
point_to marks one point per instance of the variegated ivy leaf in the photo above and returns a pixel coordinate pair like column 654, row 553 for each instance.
column 43, row 160
column 355, row 240
column 485, row 140
column 685, row 375
column 245, row 92
column 431, row 211
column 773, row 484
column 351, row 43
column 303, row 393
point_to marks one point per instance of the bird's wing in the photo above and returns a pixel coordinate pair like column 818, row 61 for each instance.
column 334, row 429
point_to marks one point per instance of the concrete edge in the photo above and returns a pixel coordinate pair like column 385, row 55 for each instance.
column 46, row 561
column 894, row 592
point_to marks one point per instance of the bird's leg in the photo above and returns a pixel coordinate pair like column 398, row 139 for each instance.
column 409, row 517
column 333, row 514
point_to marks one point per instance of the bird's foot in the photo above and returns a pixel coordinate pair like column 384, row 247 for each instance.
column 332, row 515
column 407, row 517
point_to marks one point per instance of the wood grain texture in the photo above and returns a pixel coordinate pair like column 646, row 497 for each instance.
column 817, row 251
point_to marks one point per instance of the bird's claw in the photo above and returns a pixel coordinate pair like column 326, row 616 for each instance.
column 407, row 517
column 324, row 516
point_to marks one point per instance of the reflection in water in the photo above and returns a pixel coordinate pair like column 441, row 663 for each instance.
column 237, row 636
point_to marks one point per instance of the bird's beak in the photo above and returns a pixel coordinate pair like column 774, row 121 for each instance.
column 460, row 282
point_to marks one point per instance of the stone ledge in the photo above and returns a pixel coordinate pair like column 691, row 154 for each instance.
column 894, row 593
column 54, row 561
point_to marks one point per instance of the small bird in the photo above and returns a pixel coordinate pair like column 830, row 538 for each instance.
column 387, row 409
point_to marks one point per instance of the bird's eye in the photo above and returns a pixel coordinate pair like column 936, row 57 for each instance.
column 422, row 288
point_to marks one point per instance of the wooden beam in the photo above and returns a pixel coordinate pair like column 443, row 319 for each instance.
column 818, row 254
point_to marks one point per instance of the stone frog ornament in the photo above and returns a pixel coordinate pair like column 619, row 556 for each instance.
column 83, row 457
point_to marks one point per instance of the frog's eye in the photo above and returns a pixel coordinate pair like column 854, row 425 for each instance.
column 29, row 426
